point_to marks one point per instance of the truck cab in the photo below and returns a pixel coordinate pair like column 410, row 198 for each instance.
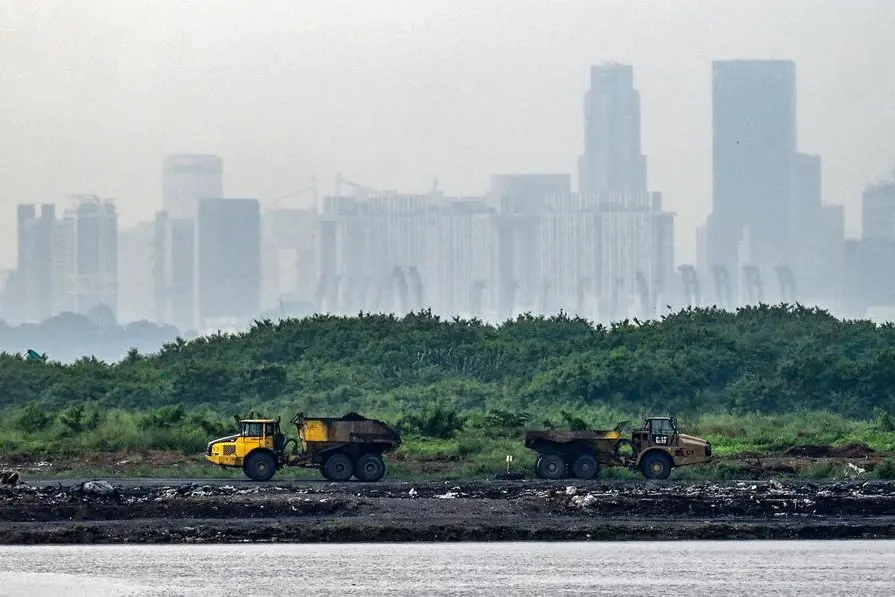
column 656, row 431
column 660, row 447
column 254, row 448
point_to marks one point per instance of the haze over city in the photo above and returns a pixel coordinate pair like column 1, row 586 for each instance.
column 611, row 159
column 394, row 93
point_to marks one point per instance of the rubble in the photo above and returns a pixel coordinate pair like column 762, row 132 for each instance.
column 211, row 512
column 9, row 478
column 848, row 498
column 100, row 488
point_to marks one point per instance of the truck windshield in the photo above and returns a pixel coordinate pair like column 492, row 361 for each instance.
column 253, row 429
column 662, row 427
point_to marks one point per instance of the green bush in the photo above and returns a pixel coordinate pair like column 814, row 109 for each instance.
column 767, row 359
column 759, row 380
column 433, row 421
column 885, row 469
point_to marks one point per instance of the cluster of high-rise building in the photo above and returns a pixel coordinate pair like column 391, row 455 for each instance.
column 529, row 243
column 196, row 265
column 66, row 262
column 206, row 259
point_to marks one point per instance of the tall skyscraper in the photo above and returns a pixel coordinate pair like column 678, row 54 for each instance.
column 229, row 242
column 33, row 282
column 614, row 215
column 136, row 301
column 85, row 256
column 870, row 260
column 816, row 234
column 186, row 179
column 174, row 271
column 878, row 211
column 753, row 153
column 612, row 160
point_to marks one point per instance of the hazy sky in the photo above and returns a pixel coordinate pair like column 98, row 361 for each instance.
column 392, row 93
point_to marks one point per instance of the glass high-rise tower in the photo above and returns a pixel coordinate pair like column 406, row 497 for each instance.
column 753, row 159
column 612, row 160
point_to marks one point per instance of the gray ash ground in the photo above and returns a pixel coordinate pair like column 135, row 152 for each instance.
column 438, row 511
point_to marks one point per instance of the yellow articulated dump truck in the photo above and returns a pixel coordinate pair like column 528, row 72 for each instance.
column 342, row 448
column 653, row 449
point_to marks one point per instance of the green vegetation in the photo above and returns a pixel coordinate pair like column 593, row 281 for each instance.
column 758, row 380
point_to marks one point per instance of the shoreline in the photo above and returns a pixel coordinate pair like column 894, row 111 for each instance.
column 206, row 513
column 167, row 532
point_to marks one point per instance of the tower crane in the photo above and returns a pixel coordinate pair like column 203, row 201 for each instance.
column 312, row 188
column 365, row 190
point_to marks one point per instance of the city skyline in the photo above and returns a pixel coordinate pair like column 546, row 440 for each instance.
column 449, row 108
column 632, row 172
column 529, row 243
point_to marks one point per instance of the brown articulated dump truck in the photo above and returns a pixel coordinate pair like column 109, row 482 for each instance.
column 654, row 449
column 341, row 448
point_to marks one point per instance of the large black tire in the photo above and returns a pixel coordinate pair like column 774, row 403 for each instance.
column 324, row 473
column 585, row 467
column 551, row 466
column 369, row 467
column 338, row 467
column 260, row 466
column 656, row 465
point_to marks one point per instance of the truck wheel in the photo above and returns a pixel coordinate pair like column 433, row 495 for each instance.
column 260, row 466
column 585, row 467
column 551, row 466
column 656, row 465
column 369, row 467
column 338, row 467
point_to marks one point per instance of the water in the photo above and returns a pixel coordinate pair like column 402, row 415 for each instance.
column 694, row 569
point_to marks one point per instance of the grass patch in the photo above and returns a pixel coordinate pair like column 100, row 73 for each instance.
column 170, row 442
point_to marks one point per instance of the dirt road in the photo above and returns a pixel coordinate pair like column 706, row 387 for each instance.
column 177, row 511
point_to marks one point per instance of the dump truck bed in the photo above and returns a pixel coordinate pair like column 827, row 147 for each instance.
column 564, row 436
column 352, row 428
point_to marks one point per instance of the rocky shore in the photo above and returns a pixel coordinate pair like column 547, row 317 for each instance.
column 184, row 512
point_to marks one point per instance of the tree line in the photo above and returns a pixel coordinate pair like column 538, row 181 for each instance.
column 766, row 359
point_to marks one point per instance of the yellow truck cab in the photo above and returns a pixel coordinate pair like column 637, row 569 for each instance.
column 254, row 448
